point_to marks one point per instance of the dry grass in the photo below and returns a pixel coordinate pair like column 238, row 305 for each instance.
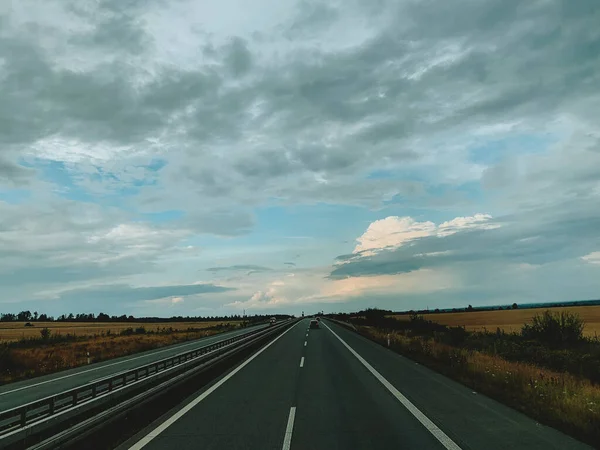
column 510, row 320
column 558, row 399
column 44, row 359
column 14, row 331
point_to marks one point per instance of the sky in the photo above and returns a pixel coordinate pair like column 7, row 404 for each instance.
column 182, row 157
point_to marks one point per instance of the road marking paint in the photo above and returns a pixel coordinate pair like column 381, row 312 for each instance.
column 287, row 440
column 196, row 342
column 305, row 343
column 302, row 362
column 444, row 439
column 171, row 420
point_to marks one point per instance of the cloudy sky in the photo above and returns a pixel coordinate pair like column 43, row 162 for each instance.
column 205, row 157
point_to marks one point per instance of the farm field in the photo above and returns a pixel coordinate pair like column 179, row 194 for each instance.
column 14, row 331
column 510, row 320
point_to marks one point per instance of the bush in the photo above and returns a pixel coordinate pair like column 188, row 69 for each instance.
column 555, row 329
column 126, row 332
column 140, row 330
column 45, row 333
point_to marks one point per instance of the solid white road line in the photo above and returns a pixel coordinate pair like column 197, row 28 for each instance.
column 287, row 440
column 425, row 421
column 302, row 362
column 110, row 365
column 305, row 343
column 171, row 420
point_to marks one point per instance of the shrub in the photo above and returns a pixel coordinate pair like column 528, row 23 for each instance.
column 126, row 332
column 140, row 330
column 45, row 333
column 555, row 329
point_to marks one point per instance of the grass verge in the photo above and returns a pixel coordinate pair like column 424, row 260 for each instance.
column 563, row 401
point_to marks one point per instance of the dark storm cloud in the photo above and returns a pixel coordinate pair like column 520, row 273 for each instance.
column 539, row 237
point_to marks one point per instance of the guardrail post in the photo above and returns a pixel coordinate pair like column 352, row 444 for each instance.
column 110, row 385
column 51, row 407
column 94, row 390
column 137, row 375
column 23, row 417
column 74, row 398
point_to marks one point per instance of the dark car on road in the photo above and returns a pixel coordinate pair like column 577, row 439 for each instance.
column 314, row 324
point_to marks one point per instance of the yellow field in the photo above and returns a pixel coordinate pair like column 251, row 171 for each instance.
column 13, row 331
column 510, row 320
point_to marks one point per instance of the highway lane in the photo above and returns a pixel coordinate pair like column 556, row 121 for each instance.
column 15, row 394
column 307, row 390
column 341, row 406
column 248, row 411
column 472, row 420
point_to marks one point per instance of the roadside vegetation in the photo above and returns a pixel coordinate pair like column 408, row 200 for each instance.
column 509, row 320
column 550, row 369
column 51, row 351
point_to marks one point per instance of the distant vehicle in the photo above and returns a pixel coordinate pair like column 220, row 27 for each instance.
column 272, row 321
column 314, row 323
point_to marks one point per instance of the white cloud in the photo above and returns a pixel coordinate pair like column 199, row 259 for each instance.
column 592, row 258
column 393, row 231
column 478, row 221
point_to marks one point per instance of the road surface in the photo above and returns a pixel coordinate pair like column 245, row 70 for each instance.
column 19, row 393
column 331, row 389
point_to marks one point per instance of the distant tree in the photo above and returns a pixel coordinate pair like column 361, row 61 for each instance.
column 469, row 308
column 515, row 306
column 24, row 316
column 43, row 318
column 35, row 315
column 103, row 317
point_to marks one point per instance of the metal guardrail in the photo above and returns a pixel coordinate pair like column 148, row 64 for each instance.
column 33, row 417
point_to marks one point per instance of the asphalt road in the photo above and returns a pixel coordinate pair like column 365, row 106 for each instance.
column 332, row 389
column 19, row 393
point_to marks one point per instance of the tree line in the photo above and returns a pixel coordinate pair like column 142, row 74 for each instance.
column 28, row 316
